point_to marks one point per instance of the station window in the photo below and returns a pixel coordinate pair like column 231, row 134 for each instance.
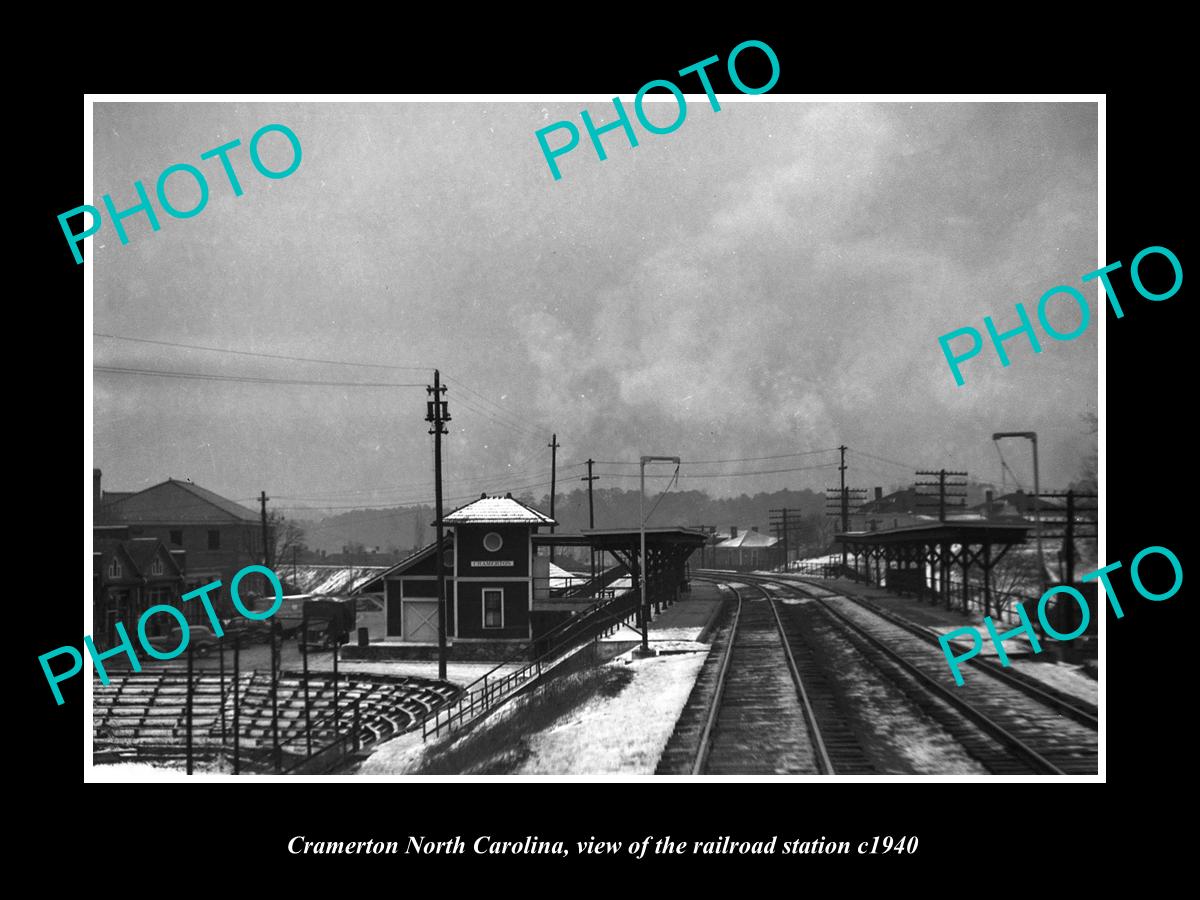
column 114, row 568
column 214, row 540
column 492, row 542
column 493, row 608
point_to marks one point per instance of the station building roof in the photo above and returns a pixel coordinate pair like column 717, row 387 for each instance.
column 497, row 511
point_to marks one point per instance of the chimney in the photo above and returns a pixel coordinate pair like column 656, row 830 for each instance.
column 754, row 528
column 97, row 493
column 878, row 493
column 987, row 509
column 732, row 531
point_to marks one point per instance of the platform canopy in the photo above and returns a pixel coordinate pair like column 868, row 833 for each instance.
column 608, row 538
column 969, row 531
column 919, row 557
column 667, row 552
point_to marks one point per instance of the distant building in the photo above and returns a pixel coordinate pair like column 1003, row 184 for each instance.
column 130, row 576
column 894, row 510
column 218, row 536
column 305, row 578
column 745, row 549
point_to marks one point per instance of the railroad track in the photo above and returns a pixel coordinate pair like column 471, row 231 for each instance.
column 1080, row 710
column 1005, row 725
column 761, row 704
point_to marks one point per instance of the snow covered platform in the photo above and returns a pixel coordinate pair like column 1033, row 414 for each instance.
column 683, row 626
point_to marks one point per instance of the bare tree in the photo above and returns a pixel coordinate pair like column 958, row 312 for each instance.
column 1087, row 481
column 287, row 536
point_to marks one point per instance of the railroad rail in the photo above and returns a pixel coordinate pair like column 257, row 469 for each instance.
column 1008, row 726
column 1076, row 708
column 759, row 716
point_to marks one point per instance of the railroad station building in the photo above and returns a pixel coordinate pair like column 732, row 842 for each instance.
column 503, row 592
column 490, row 572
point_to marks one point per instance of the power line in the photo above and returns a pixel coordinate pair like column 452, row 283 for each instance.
column 696, row 462
column 333, row 362
column 410, row 486
column 725, row 474
column 397, row 505
column 666, row 490
column 247, row 379
column 911, row 467
column 521, row 429
column 496, row 406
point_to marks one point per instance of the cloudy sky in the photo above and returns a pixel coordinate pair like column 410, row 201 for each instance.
column 767, row 280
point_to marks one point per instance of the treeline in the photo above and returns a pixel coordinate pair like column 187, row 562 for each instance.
column 402, row 528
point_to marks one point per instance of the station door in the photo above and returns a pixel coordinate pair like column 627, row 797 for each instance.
column 420, row 621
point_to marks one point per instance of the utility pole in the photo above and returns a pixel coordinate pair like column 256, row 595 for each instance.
column 237, row 704
column 780, row 527
column 1031, row 436
column 845, row 501
column 785, row 539
column 1069, row 541
column 438, row 414
column 642, row 567
column 842, row 504
column 942, row 503
column 1078, row 523
column 262, row 499
column 941, row 484
column 589, row 478
column 553, row 445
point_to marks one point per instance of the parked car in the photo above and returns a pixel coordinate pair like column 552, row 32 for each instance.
column 251, row 631
column 201, row 640
column 322, row 635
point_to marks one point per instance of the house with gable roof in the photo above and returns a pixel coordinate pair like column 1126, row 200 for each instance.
column 218, row 536
column 129, row 577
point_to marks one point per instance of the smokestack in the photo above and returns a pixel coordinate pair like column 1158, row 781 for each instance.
column 732, row 531
column 97, row 493
column 878, row 493
column 987, row 509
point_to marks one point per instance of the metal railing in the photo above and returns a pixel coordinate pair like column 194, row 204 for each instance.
column 352, row 732
column 557, row 587
column 489, row 691
column 815, row 569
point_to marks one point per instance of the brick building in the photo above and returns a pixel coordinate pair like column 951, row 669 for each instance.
column 217, row 536
column 129, row 576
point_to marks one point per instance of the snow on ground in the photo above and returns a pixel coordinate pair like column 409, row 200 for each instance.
column 395, row 757
column 897, row 735
column 624, row 734
column 1067, row 678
